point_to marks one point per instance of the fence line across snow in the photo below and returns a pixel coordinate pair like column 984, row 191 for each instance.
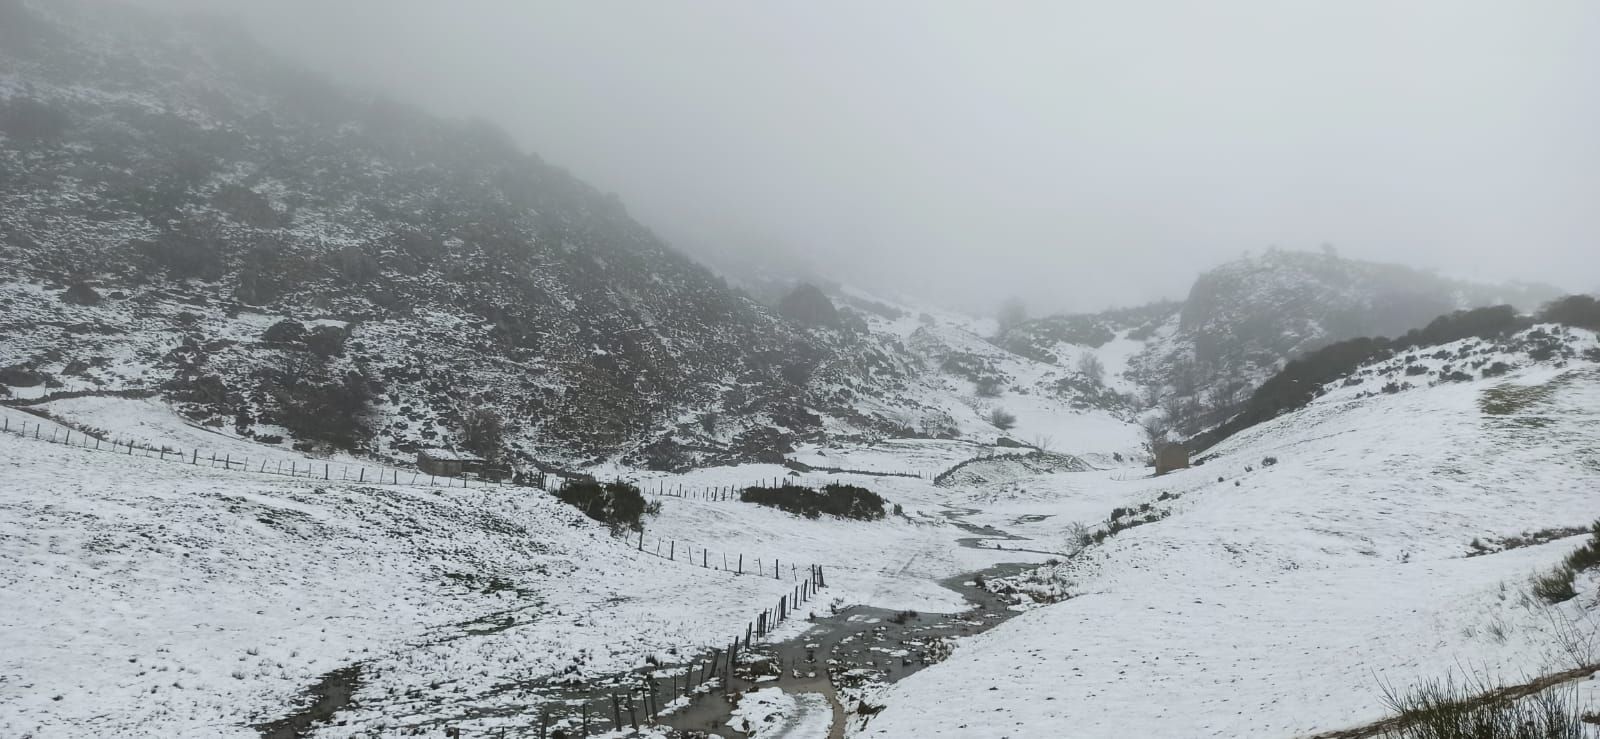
column 297, row 468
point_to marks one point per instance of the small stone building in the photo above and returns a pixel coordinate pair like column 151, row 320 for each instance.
column 1171, row 457
column 446, row 463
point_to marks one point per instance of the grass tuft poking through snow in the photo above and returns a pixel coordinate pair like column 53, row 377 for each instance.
column 1475, row 710
column 1556, row 585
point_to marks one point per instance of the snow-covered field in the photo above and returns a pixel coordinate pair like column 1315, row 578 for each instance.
column 1272, row 592
column 1276, row 599
column 149, row 598
column 156, row 598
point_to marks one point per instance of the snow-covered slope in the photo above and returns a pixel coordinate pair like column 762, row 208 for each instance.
column 151, row 598
column 145, row 596
column 1313, row 559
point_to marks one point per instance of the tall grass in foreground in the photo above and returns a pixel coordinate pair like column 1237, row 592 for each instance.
column 1446, row 710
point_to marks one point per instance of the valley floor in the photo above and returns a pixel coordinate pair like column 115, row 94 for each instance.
column 148, row 597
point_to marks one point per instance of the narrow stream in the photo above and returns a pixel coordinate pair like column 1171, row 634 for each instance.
column 840, row 657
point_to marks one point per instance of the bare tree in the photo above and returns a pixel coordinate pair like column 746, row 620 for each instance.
column 483, row 432
column 1090, row 366
column 1077, row 537
column 1155, row 437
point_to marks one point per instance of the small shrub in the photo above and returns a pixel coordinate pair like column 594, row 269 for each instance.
column 615, row 504
column 988, row 387
column 1555, row 586
column 1497, row 369
column 1587, row 557
column 1002, row 419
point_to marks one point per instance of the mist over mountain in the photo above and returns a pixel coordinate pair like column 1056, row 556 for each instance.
column 324, row 414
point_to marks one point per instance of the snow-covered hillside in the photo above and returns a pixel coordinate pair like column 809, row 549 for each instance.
column 150, row 597
column 1312, row 560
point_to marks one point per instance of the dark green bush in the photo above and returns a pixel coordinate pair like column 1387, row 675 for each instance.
column 844, row 501
column 618, row 505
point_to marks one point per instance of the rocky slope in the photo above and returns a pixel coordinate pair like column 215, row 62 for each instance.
column 182, row 214
column 1198, row 360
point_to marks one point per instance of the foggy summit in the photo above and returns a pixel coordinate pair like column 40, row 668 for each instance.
column 799, row 370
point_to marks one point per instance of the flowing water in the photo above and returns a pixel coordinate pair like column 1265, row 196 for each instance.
column 841, row 657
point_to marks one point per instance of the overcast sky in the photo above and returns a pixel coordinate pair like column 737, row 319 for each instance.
column 1077, row 154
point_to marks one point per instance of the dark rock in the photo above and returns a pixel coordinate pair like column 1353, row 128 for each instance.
column 808, row 306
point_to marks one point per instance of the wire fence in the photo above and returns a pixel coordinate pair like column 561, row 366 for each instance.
column 649, row 697
column 725, row 493
column 703, row 557
column 700, row 677
column 306, row 469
